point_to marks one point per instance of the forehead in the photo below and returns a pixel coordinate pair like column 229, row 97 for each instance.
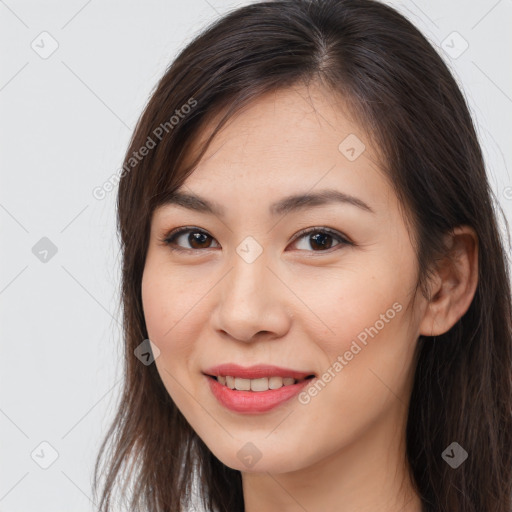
column 298, row 139
column 285, row 151
column 306, row 116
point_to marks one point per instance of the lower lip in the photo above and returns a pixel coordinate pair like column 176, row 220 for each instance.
column 254, row 401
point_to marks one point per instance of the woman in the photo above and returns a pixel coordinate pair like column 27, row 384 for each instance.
column 316, row 298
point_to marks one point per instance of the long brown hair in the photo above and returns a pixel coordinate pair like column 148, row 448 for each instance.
column 400, row 90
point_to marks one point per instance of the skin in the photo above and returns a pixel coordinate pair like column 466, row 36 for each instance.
column 300, row 306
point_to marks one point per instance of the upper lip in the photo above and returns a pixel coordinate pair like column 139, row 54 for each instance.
column 255, row 372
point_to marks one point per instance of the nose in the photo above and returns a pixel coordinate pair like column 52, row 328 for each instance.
column 252, row 302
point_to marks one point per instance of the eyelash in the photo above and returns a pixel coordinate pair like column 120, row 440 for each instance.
column 170, row 237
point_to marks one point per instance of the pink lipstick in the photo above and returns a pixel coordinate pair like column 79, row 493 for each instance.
column 255, row 389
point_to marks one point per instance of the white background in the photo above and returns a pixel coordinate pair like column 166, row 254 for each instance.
column 65, row 125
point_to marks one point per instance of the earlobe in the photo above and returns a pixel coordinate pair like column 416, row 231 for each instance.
column 454, row 284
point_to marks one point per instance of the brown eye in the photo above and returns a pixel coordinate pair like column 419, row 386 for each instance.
column 318, row 239
column 321, row 239
column 195, row 238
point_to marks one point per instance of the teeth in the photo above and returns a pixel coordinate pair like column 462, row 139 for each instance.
column 242, row 384
column 275, row 382
column 262, row 384
column 259, row 384
column 230, row 382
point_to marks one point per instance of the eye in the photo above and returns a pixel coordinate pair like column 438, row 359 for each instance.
column 322, row 238
column 198, row 239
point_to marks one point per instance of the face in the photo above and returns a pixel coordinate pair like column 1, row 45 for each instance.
column 319, row 287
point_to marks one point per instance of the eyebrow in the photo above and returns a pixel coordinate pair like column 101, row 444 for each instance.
column 286, row 205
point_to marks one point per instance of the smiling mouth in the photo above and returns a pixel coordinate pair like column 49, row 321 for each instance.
column 261, row 384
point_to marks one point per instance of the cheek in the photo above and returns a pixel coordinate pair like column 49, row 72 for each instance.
column 156, row 304
column 372, row 350
column 368, row 368
column 369, row 346
column 357, row 304
column 169, row 313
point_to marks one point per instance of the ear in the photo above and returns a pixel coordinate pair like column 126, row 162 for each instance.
column 454, row 283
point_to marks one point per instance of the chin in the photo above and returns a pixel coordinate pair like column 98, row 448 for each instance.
column 253, row 457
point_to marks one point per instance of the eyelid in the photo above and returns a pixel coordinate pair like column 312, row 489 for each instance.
column 174, row 233
column 169, row 237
